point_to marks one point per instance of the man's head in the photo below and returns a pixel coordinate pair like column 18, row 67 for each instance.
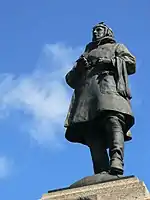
column 100, row 31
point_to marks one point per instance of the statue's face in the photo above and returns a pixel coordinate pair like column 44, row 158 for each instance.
column 98, row 33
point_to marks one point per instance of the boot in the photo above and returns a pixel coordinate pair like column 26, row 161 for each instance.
column 95, row 141
column 100, row 160
column 99, row 154
column 116, row 145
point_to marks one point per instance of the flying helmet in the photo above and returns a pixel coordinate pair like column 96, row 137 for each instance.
column 107, row 30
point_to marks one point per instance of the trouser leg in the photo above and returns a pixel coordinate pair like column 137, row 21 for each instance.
column 99, row 158
column 114, row 128
column 98, row 151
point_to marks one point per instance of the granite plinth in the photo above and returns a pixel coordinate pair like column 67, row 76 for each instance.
column 130, row 188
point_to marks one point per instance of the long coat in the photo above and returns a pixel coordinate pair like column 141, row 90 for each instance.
column 102, row 87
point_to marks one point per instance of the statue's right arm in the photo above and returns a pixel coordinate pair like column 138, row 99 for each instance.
column 74, row 76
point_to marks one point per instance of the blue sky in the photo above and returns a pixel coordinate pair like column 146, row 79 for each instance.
column 39, row 41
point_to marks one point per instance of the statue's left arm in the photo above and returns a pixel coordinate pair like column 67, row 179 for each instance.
column 124, row 53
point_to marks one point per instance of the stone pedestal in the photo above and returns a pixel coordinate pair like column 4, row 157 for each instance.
column 130, row 188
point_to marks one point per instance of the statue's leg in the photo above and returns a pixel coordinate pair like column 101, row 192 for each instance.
column 100, row 158
column 98, row 151
column 115, row 137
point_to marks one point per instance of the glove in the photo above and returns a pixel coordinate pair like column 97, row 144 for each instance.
column 82, row 64
column 82, row 61
column 104, row 61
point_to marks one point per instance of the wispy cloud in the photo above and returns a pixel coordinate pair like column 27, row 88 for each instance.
column 5, row 167
column 42, row 95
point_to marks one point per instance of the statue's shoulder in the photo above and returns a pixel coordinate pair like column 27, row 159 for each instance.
column 120, row 47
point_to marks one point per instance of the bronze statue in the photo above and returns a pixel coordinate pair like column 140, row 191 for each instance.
column 100, row 114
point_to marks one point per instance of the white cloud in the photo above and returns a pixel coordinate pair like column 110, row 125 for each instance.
column 42, row 95
column 5, row 167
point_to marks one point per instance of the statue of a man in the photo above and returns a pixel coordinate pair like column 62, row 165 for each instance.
column 100, row 114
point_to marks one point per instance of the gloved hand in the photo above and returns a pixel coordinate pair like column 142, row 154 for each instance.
column 82, row 63
column 104, row 60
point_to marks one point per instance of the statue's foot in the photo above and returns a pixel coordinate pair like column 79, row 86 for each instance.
column 115, row 171
column 116, row 167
